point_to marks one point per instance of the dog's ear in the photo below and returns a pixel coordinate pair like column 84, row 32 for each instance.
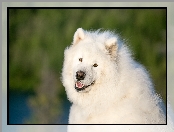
column 112, row 46
column 78, row 36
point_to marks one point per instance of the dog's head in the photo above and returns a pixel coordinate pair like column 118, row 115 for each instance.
column 92, row 50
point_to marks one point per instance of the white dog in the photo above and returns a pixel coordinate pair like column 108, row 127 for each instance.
column 104, row 83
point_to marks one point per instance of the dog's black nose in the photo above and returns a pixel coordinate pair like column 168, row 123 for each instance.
column 80, row 75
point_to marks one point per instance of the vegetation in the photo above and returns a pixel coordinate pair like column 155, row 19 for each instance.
column 38, row 37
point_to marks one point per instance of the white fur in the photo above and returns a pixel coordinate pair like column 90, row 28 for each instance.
column 122, row 93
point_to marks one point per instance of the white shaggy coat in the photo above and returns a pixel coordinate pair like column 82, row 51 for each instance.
column 122, row 92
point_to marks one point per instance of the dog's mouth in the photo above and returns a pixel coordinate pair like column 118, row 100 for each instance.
column 79, row 86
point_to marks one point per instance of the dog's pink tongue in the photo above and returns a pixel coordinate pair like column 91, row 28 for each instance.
column 79, row 84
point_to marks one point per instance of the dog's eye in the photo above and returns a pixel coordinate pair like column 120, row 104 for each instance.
column 80, row 59
column 95, row 65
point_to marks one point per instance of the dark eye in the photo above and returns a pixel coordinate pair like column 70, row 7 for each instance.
column 80, row 59
column 95, row 65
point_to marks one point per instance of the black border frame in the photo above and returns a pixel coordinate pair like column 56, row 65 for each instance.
column 8, row 8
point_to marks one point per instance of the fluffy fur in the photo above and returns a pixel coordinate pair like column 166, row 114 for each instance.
column 117, row 90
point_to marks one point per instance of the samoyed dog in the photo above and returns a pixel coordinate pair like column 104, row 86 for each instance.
column 105, row 84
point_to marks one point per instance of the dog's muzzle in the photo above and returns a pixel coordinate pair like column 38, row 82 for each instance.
column 79, row 86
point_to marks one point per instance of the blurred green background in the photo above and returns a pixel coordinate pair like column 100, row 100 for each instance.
column 38, row 37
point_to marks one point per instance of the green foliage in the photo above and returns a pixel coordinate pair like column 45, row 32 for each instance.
column 38, row 37
column 46, row 105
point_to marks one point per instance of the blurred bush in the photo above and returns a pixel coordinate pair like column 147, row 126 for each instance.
column 38, row 37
